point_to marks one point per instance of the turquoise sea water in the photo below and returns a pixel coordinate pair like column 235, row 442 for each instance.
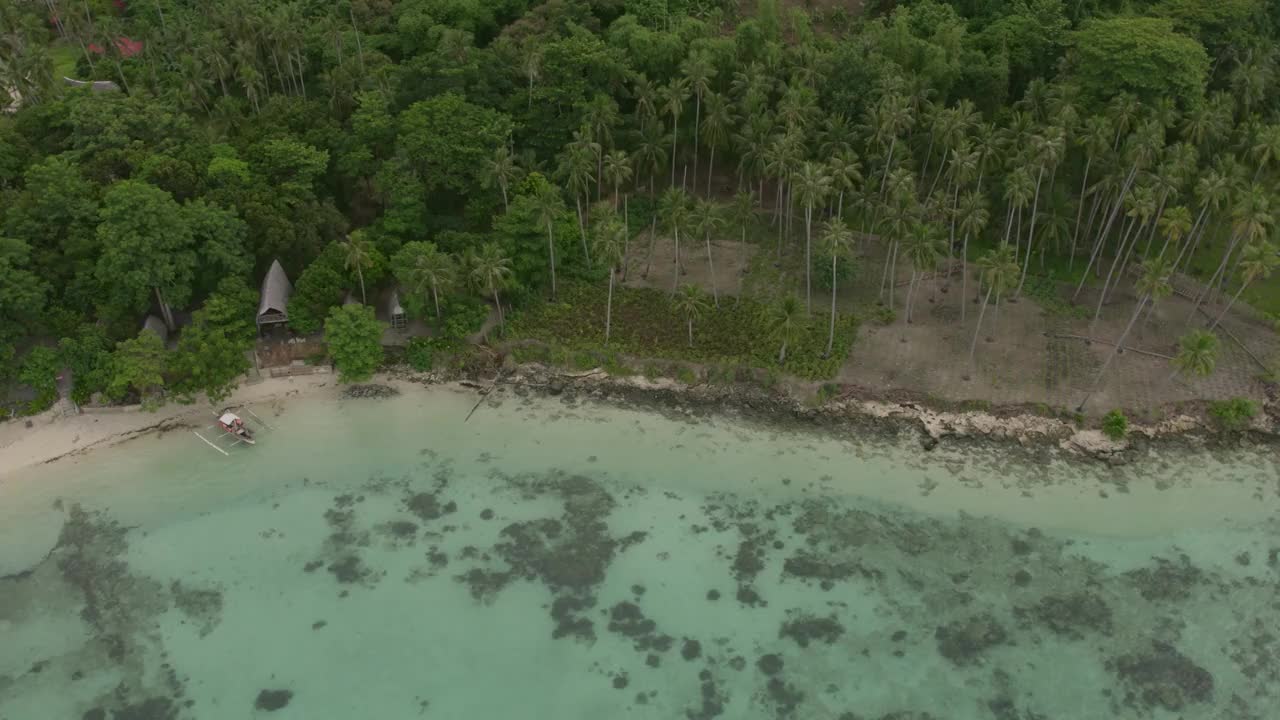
column 559, row 559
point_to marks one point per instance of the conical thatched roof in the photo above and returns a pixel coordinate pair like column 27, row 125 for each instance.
column 393, row 303
column 157, row 326
column 276, row 290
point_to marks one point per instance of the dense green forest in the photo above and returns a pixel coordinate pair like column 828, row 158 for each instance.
column 504, row 152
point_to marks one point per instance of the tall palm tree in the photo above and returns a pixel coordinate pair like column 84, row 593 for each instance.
column 1152, row 286
column 356, row 257
column 674, row 96
column 814, row 184
column 1048, row 149
column 691, row 303
column 1251, row 217
column 999, row 270
column 575, row 169
column 837, row 237
column 500, row 170
column 743, row 211
column 698, row 73
column 425, row 269
column 646, row 97
column 609, row 242
column 490, row 270
column 973, row 217
column 1257, row 261
column 716, row 128
column 1176, row 225
column 549, row 205
column 600, row 117
column 706, row 220
column 651, row 152
column 531, row 68
column 1094, row 138
column 1197, row 354
column 786, row 324
column 616, row 171
column 675, row 208
column 846, row 175
column 924, row 250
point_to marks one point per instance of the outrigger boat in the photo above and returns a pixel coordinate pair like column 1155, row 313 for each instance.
column 233, row 429
column 232, row 424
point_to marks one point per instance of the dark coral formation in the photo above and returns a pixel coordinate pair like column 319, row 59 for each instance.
column 1167, row 580
column 804, row 629
column 1163, row 677
column 964, row 641
column 1072, row 615
column 272, row 700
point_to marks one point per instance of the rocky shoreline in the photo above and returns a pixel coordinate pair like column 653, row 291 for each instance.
column 866, row 412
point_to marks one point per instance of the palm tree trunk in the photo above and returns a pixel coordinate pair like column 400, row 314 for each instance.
column 1031, row 233
column 973, row 346
column 893, row 272
column 782, row 354
column 653, row 241
column 582, row 230
column 831, row 332
column 1094, row 255
column 911, row 291
column 1193, row 239
column 608, row 313
column 697, row 123
column 808, row 260
column 626, row 238
column 1227, row 309
column 360, row 274
column 675, row 135
column 165, row 311
column 964, row 276
column 1120, row 251
column 551, row 253
column 1075, row 236
column 1208, row 289
column 302, row 78
column 742, row 263
column 506, row 206
column 675, row 276
column 711, row 267
column 711, row 168
column 435, row 295
column 502, row 323
column 690, row 319
column 1115, row 350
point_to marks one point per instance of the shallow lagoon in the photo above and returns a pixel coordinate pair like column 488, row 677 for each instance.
column 555, row 558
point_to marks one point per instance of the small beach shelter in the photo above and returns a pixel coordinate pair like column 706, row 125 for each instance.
column 274, row 303
column 395, row 311
column 157, row 326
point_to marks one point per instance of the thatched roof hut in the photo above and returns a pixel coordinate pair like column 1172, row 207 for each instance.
column 395, row 311
column 274, row 303
column 157, row 326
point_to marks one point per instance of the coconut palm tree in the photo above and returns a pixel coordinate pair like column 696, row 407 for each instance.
column 973, row 218
column 675, row 208
column 698, row 73
column 490, row 270
column 1257, row 261
column 1176, row 225
column 1152, row 286
column 646, row 97
column 924, row 250
column 500, row 170
column 1197, row 354
column 814, row 184
column 575, row 169
column 425, row 269
column 356, row 256
column 1094, row 138
column 705, row 219
column 616, row 171
column 999, row 270
column 846, row 175
column 837, row 238
column 609, row 243
column 743, row 207
column 651, row 151
column 716, row 127
column 549, row 205
column 674, row 96
column 690, row 303
column 600, row 116
column 786, row 324
column 531, row 68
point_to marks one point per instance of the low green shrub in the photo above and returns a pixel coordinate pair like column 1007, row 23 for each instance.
column 1115, row 425
column 1233, row 415
column 40, row 372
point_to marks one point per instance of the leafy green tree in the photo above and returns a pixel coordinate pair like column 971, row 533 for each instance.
column 212, row 350
column 147, row 248
column 87, row 354
column 500, row 170
column 1140, row 55
column 320, row 287
column 449, row 140
column 22, row 293
column 40, row 372
column 354, row 337
column 691, row 304
column 139, row 365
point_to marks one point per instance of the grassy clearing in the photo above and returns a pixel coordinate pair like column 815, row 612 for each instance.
column 646, row 325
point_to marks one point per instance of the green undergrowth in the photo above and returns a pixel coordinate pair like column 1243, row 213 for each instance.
column 1045, row 291
column 646, row 325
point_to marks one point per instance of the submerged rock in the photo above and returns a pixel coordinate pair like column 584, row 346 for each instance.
column 371, row 390
column 272, row 700
column 806, row 628
column 1073, row 614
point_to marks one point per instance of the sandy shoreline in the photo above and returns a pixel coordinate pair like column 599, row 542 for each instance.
column 53, row 436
